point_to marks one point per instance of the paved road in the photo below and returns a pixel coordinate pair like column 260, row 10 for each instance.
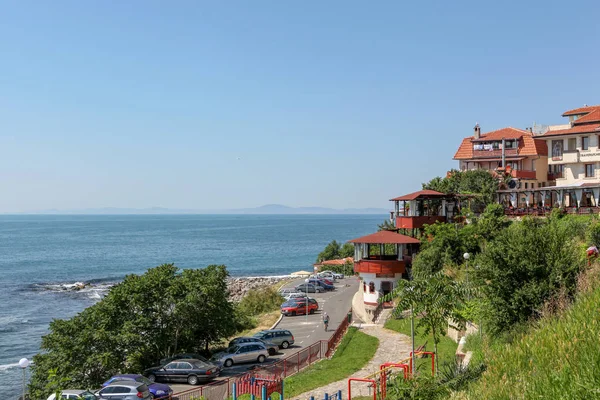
column 306, row 329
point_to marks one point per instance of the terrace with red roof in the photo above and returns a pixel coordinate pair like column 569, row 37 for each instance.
column 415, row 210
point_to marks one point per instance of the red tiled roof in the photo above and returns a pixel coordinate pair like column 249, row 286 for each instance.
column 465, row 150
column 504, row 133
column 528, row 146
column 593, row 116
column 421, row 194
column 385, row 237
column 533, row 147
column 340, row 261
column 589, row 128
column 580, row 110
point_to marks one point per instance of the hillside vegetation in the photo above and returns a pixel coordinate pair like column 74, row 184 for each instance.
column 559, row 359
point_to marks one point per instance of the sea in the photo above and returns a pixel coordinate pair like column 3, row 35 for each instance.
column 41, row 256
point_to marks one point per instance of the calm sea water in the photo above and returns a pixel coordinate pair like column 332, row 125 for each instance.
column 38, row 254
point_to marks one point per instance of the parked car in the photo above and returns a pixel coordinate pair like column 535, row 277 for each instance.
column 271, row 347
column 74, row 394
column 310, row 299
column 183, row 356
column 188, row 370
column 298, row 295
column 286, row 291
column 250, row 352
column 309, row 288
column 156, row 389
column 281, row 337
column 298, row 307
column 125, row 390
column 335, row 275
column 321, row 283
column 328, row 280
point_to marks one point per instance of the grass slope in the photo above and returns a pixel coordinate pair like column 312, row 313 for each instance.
column 446, row 346
column 353, row 353
column 558, row 360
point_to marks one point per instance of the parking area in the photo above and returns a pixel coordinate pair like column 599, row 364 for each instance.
column 306, row 329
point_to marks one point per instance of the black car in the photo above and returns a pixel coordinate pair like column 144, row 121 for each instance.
column 188, row 370
column 183, row 356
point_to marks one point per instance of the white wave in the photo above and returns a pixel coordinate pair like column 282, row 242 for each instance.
column 6, row 367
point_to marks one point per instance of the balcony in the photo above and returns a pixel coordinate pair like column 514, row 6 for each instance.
column 494, row 153
column 552, row 176
column 516, row 173
column 418, row 222
column 380, row 265
column 567, row 157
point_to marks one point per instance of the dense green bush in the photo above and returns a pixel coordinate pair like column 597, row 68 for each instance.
column 259, row 301
column 523, row 266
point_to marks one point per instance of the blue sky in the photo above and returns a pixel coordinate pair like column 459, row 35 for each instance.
column 239, row 104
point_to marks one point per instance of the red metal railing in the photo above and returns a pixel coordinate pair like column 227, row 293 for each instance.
column 337, row 335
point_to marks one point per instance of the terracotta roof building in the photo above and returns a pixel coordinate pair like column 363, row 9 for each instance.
column 575, row 149
column 511, row 150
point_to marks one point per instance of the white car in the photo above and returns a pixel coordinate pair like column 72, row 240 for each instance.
column 294, row 296
column 74, row 394
column 332, row 274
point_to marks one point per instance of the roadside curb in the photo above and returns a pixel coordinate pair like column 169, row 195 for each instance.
column 277, row 322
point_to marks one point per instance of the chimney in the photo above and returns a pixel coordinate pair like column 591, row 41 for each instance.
column 477, row 131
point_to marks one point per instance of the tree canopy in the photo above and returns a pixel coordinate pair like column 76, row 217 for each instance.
column 142, row 319
column 479, row 183
column 335, row 250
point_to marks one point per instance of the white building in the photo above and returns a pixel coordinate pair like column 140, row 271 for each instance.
column 381, row 260
column 574, row 158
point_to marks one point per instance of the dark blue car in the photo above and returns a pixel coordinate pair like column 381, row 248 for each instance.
column 157, row 390
column 320, row 283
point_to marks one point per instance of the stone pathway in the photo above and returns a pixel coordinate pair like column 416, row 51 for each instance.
column 393, row 347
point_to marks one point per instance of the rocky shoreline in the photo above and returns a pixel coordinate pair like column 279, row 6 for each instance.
column 237, row 286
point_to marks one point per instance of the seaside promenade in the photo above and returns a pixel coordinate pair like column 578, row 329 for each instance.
column 306, row 329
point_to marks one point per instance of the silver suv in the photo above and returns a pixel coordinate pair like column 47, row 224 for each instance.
column 281, row 337
column 249, row 352
column 125, row 390
column 271, row 347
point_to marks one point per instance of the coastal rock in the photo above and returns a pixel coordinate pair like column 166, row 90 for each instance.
column 239, row 287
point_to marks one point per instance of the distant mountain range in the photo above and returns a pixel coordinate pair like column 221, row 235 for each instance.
column 266, row 209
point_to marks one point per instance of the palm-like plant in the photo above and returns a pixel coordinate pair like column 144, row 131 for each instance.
column 387, row 225
column 437, row 298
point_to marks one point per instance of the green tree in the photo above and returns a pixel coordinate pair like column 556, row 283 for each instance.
column 437, row 299
column 331, row 252
column 478, row 183
column 142, row 319
column 347, row 250
column 386, row 225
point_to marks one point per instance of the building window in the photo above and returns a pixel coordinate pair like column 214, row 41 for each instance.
column 589, row 170
column 557, row 150
column 572, row 144
column 526, row 185
column 365, row 287
column 372, row 287
column 585, row 142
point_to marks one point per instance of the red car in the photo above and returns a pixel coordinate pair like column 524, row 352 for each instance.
column 299, row 306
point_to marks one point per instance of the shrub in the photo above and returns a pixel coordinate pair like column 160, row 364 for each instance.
column 526, row 264
column 260, row 301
